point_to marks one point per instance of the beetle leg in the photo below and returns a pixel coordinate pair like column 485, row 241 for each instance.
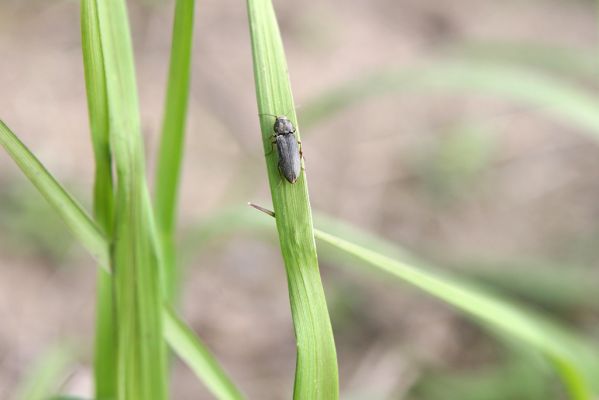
column 271, row 146
column 301, row 154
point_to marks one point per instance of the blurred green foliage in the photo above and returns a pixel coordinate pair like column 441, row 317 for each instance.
column 30, row 227
column 517, row 378
column 452, row 166
column 47, row 373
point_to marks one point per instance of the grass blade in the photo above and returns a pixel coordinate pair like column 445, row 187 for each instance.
column 185, row 343
column 95, row 82
column 575, row 360
column 66, row 398
column 316, row 374
column 141, row 358
column 525, row 86
column 105, row 354
column 173, row 132
column 77, row 219
column 565, row 61
column 518, row 376
column 47, row 373
column 105, row 350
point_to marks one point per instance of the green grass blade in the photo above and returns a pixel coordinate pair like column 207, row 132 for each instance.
column 105, row 349
column 66, row 398
column 551, row 96
column 173, row 132
column 85, row 230
column 518, row 376
column 563, row 288
column 185, row 343
column 47, row 373
column 141, row 358
column 316, row 374
column 575, row 360
column 77, row 219
column 95, row 82
column 571, row 62
column 105, row 353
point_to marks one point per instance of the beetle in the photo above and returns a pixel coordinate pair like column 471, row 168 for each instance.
column 288, row 147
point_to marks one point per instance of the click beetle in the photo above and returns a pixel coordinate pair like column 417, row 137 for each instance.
column 288, row 147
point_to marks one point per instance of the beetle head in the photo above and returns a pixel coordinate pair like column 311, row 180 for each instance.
column 283, row 126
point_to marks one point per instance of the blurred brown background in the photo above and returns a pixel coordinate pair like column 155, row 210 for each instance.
column 462, row 179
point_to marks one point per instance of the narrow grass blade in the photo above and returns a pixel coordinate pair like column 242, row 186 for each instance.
column 316, row 374
column 66, row 398
column 46, row 374
column 514, row 377
column 105, row 351
column 564, row 288
column 77, row 219
column 141, row 358
column 549, row 95
column 570, row 62
column 97, row 104
column 173, row 132
column 185, row 343
column 575, row 360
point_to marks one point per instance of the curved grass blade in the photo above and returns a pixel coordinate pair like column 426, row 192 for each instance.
column 575, row 360
column 76, row 218
column 563, row 288
column 573, row 357
column 571, row 62
column 551, row 96
column 141, row 358
column 105, row 353
column 171, row 143
column 316, row 374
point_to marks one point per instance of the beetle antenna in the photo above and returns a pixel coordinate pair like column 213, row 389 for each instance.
column 271, row 115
